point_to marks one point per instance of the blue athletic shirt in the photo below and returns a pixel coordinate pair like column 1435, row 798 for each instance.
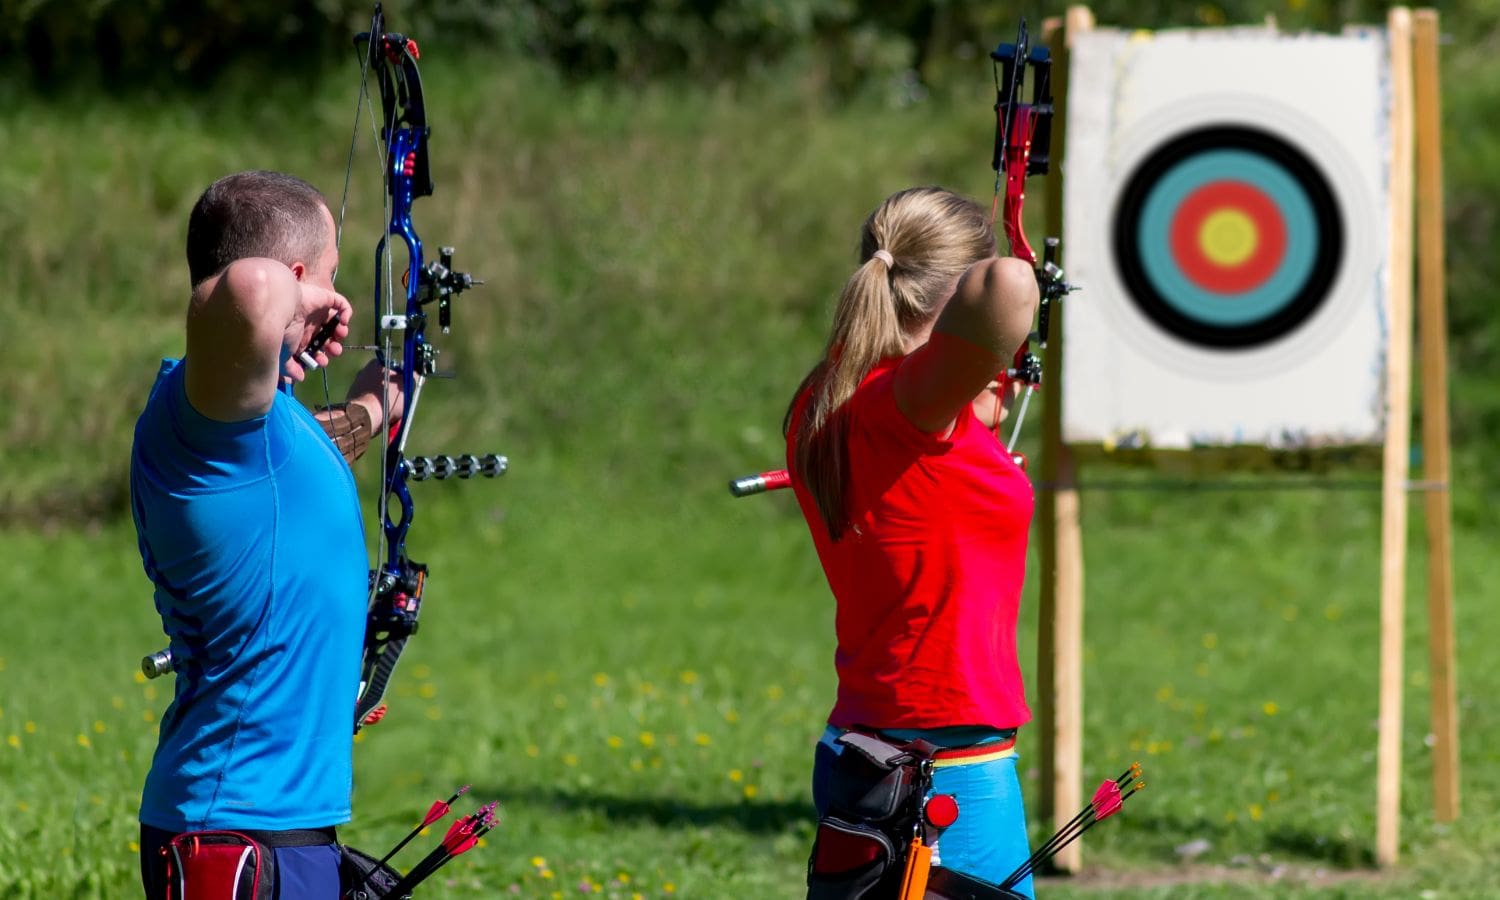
column 252, row 535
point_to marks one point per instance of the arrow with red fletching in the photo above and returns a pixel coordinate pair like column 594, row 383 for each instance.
column 463, row 835
column 1107, row 801
column 436, row 811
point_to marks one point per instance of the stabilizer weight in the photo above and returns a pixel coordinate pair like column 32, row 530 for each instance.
column 437, row 468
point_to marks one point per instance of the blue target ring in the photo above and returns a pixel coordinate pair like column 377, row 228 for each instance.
column 1284, row 289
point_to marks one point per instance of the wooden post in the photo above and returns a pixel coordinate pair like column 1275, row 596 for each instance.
column 1432, row 328
column 1059, row 688
column 1397, row 448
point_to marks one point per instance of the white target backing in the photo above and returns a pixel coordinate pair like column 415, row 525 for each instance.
column 1226, row 217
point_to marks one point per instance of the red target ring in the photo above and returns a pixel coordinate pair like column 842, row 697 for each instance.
column 1247, row 255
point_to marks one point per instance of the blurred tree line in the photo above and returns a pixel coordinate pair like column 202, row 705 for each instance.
column 123, row 43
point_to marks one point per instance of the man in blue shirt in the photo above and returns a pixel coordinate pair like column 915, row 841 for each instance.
column 249, row 527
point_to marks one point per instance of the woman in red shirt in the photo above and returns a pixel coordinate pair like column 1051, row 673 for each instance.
column 918, row 514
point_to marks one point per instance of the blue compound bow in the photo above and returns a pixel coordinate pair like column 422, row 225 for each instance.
column 396, row 582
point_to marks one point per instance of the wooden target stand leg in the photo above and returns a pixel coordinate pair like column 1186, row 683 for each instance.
column 1432, row 328
column 1060, row 613
column 1397, row 447
column 1416, row 122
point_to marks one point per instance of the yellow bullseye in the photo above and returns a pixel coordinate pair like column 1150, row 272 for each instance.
column 1228, row 237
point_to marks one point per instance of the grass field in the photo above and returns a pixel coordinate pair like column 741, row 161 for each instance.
column 634, row 664
column 640, row 690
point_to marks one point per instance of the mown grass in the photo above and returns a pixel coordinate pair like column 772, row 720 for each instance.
column 641, row 691
column 634, row 664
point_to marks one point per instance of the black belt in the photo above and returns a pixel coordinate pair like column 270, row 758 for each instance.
column 295, row 837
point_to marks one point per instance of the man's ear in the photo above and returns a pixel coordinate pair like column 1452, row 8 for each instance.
column 298, row 270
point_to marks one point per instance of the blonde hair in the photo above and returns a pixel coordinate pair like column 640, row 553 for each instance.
column 932, row 236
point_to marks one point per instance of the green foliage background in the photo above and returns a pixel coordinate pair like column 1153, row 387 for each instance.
column 663, row 200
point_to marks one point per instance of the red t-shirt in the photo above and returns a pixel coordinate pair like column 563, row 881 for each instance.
column 927, row 578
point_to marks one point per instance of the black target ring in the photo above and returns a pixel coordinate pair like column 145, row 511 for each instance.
column 1284, row 291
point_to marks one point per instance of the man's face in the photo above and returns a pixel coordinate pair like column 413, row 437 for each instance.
column 321, row 271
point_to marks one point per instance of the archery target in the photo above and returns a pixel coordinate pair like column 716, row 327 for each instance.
column 1228, row 231
column 1227, row 236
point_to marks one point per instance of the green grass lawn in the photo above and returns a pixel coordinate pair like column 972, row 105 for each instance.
column 639, row 685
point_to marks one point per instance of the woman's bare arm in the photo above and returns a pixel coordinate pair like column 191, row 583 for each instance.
column 975, row 337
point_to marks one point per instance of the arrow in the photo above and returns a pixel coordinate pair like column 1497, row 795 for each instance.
column 438, row 810
column 463, row 835
column 1107, row 801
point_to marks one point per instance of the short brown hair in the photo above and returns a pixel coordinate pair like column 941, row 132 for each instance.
column 257, row 213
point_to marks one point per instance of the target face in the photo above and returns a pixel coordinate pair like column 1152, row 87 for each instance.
column 1231, row 232
column 1228, row 237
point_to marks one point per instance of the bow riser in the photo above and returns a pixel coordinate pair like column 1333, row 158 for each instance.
column 1021, row 128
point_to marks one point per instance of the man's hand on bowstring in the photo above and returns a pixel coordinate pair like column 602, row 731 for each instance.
column 317, row 307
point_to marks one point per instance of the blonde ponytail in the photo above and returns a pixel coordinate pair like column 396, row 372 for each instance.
column 912, row 248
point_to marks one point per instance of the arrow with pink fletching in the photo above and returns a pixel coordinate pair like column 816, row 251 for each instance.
column 436, row 811
column 1107, row 801
column 463, row 835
